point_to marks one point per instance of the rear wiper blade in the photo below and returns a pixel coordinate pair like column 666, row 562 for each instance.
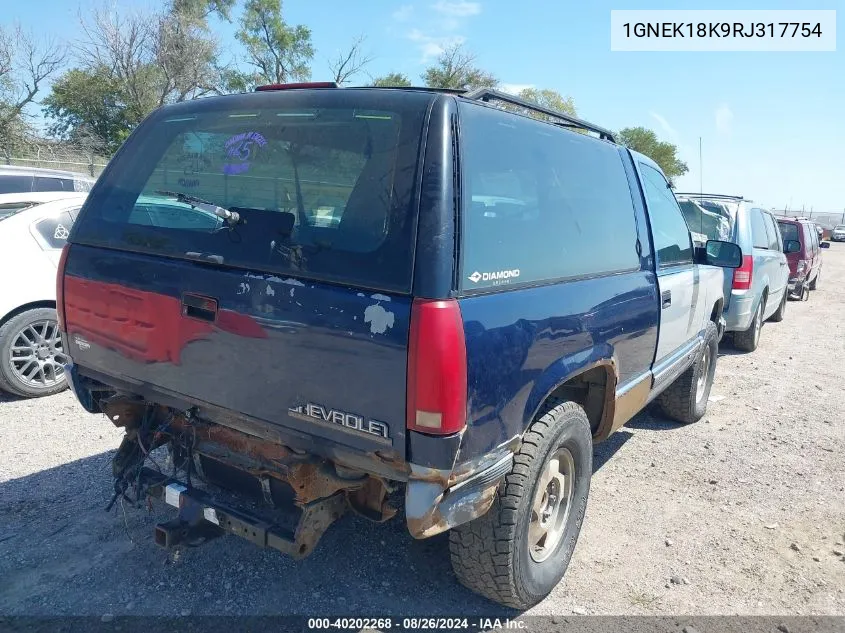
column 230, row 217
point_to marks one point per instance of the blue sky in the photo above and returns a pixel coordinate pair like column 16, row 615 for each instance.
column 772, row 124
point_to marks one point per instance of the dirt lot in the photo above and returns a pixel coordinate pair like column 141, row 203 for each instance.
column 742, row 513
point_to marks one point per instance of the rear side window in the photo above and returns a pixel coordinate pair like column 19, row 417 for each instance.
column 15, row 184
column 759, row 236
column 789, row 231
column 774, row 234
column 52, row 233
column 42, row 183
column 324, row 189
column 808, row 238
column 540, row 203
column 668, row 228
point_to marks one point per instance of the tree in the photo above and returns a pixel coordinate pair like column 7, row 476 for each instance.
column 545, row 98
column 347, row 65
column 25, row 65
column 156, row 59
column 129, row 65
column 185, row 54
column 549, row 99
column 203, row 9
column 645, row 141
column 391, row 80
column 455, row 69
column 88, row 107
column 278, row 52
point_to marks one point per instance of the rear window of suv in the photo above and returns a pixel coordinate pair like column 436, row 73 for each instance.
column 323, row 185
column 789, row 231
column 540, row 203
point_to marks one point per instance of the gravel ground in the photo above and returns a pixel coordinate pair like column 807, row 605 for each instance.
column 742, row 513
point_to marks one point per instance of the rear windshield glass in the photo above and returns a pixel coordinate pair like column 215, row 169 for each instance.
column 540, row 203
column 322, row 186
column 788, row 231
column 708, row 223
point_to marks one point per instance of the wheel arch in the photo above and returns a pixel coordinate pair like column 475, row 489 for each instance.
column 764, row 297
column 33, row 305
column 591, row 384
column 718, row 308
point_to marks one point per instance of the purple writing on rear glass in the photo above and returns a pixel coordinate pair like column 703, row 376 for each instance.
column 240, row 150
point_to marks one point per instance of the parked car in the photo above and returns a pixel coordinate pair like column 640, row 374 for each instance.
column 454, row 343
column 757, row 290
column 11, row 203
column 838, row 233
column 15, row 179
column 803, row 252
column 31, row 238
column 703, row 224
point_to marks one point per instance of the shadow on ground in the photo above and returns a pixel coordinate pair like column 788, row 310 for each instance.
column 61, row 553
column 607, row 449
column 8, row 397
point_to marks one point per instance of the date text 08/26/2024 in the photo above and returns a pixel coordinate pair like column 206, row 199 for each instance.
column 416, row 624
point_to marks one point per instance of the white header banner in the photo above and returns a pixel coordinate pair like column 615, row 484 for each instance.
column 723, row 30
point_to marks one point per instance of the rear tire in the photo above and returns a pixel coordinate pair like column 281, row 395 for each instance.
column 31, row 354
column 777, row 317
column 748, row 340
column 685, row 400
column 815, row 281
column 499, row 555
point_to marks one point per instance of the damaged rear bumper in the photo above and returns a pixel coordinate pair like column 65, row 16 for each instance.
column 201, row 516
column 437, row 500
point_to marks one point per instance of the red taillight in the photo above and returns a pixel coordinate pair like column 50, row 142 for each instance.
column 306, row 84
column 60, row 287
column 437, row 368
column 742, row 275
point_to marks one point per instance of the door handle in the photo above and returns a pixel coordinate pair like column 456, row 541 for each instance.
column 199, row 307
column 783, row 263
column 666, row 298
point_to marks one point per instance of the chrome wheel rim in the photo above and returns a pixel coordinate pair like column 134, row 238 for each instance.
column 552, row 502
column 758, row 323
column 703, row 371
column 36, row 356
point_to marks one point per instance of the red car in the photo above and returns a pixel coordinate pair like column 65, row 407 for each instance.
column 803, row 253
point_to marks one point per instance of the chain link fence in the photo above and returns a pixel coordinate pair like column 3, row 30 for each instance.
column 90, row 166
column 825, row 219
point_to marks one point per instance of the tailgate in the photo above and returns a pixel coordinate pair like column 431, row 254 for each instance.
column 223, row 252
column 323, row 359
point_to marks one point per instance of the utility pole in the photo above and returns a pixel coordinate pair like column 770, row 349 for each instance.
column 700, row 170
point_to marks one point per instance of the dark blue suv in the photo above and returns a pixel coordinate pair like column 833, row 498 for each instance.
column 316, row 299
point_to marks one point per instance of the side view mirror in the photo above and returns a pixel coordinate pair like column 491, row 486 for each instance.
column 791, row 246
column 824, row 244
column 722, row 254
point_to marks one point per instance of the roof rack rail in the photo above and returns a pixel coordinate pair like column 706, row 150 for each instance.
column 564, row 120
column 716, row 196
column 449, row 91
